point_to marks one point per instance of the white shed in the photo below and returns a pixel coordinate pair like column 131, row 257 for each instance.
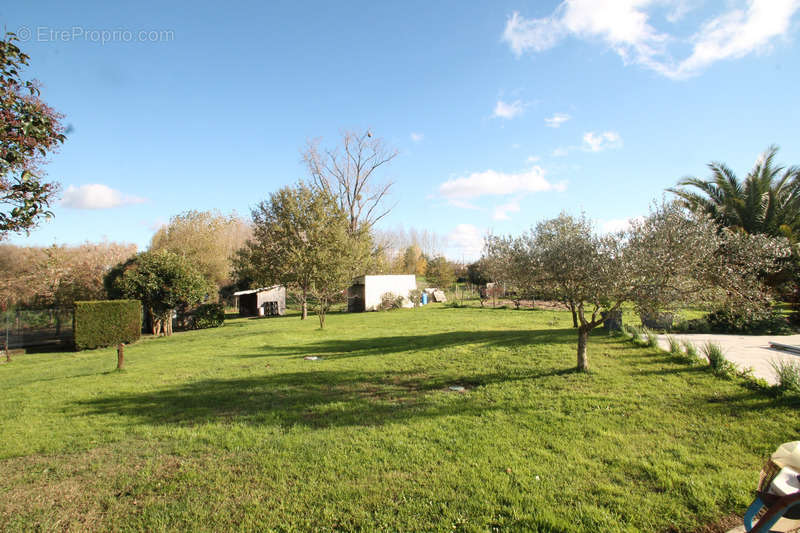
column 366, row 292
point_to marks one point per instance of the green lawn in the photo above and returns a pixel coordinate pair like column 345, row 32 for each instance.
column 232, row 429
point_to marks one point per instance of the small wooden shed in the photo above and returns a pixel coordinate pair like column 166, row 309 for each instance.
column 266, row 301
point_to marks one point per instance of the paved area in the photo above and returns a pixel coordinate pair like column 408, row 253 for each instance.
column 744, row 350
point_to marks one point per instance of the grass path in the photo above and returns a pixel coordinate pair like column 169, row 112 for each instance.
column 232, row 429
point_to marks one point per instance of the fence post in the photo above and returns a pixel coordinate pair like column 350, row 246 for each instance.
column 120, row 356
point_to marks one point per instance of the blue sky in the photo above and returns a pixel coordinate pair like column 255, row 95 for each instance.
column 504, row 113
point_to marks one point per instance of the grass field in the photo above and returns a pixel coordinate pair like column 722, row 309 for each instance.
column 232, row 429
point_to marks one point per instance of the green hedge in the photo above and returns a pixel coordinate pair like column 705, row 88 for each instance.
column 106, row 323
column 208, row 316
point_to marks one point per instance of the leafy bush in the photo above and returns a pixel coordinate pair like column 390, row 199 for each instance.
column 719, row 365
column 389, row 301
column 106, row 323
column 767, row 321
column 208, row 316
column 788, row 374
column 416, row 296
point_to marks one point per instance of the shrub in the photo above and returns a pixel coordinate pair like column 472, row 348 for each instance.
column 651, row 339
column 788, row 374
column 208, row 316
column 719, row 365
column 765, row 321
column 674, row 346
column 416, row 296
column 391, row 301
column 691, row 353
column 631, row 331
column 106, row 323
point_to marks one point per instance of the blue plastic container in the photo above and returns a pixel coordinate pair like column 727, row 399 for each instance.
column 424, row 298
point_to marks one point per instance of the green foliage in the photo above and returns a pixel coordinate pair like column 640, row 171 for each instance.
column 208, row 239
column 106, row 323
column 719, row 365
column 440, row 272
column 161, row 280
column 208, row 316
column 767, row 321
column 390, row 301
column 692, row 357
column 415, row 295
column 202, row 414
column 650, row 337
column 767, row 201
column 302, row 238
column 674, row 345
column 788, row 374
column 29, row 131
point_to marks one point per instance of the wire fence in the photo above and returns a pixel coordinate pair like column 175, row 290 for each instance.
column 23, row 328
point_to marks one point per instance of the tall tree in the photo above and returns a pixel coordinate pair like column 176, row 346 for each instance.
column 766, row 201
column 440, row 272
column 347, row 173
column 302, row 239
column 29, row 131
column 163, row 281
column 208, row 239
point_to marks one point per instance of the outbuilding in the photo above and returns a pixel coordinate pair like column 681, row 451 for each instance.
column 266, row 301
column 366, row 293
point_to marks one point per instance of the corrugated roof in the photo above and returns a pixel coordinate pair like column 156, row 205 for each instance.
column 252, row 291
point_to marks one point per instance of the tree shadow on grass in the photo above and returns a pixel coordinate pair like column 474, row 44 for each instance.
column 314, row 398
column 341, row 348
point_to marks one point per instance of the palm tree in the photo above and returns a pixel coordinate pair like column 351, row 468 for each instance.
column 766, row 201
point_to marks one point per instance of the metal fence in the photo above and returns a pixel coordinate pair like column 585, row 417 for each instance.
column 23, row 328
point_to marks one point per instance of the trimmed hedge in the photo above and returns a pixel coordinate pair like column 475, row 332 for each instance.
column 106, row 323
column 208, row 316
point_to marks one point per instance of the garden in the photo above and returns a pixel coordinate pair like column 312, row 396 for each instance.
column 434, row 418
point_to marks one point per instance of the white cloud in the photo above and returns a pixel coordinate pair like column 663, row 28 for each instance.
column 501, row 211
column 624, row 26
column 466, row 241
column 556, row 120
column 492, row 182
column 417, row 137
column 96, row 196
column 596, row 142
column 533, row 158
column 508, row 110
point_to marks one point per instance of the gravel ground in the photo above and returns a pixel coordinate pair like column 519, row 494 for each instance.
column 744, row 350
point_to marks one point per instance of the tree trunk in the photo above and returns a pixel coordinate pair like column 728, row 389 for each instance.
column 304, row 313
column 120, row 356
column 583, row 340
column 156, row 329
column 574, row 315
column 321, row 314
column 7, row 352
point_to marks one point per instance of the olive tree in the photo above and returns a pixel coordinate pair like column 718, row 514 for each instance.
column 670, row 257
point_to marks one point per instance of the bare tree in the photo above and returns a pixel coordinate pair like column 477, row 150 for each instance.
column 347, row 174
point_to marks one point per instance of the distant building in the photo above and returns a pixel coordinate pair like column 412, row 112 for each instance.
column 366, row 292
column 266, row 301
